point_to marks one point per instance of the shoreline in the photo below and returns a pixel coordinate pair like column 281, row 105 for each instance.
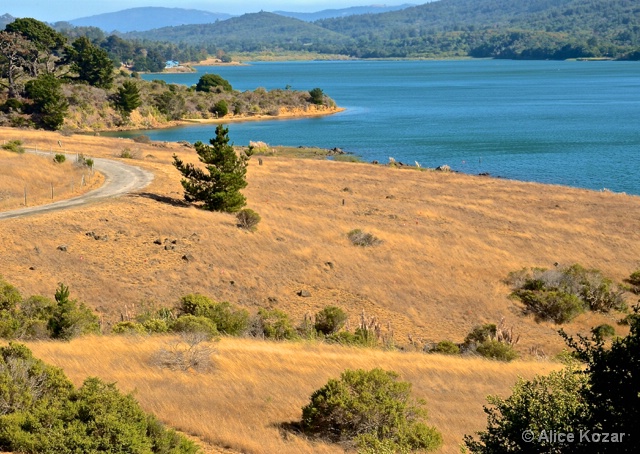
column 242, row 118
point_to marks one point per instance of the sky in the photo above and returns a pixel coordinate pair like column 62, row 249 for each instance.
column 60, row 10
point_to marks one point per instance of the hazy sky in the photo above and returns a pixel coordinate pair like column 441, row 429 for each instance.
column 57, row 10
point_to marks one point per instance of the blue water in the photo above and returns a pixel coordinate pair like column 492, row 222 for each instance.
column 571, row 123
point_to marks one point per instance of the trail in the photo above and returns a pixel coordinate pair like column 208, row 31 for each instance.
column 119, row 179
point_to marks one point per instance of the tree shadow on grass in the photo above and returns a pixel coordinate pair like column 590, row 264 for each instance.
column 164, row 199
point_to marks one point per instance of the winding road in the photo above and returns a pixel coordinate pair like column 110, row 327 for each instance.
column 119, row 179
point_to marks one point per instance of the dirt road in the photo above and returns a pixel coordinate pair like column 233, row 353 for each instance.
column 119, row 179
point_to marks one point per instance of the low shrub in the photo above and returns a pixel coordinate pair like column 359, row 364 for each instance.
column 126, row 153
column 248, row 219
column 557, row 306
column 446, row 347
column 14, row 146
column 59, row 158
column 220, row 109
column 480, row 334
column 330, row 320
column 494, row 349
column 369, row 409
column 360, row 238
column 603, row 331
column 634, row 281
column 194, row 324
column 142, row 139
column 560, row 294
column 227, row 319
column 70, row 318
column 128, row 327
column 273, row 324
column 155, row 325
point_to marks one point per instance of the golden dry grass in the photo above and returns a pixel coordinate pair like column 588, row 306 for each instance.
column 39, row 174
column 257, row 385
column 448, row 242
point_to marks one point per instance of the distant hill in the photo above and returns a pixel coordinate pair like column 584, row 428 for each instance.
column 531, row 29
column 343, row 12
column 147, row 18
column 6, row 19
column 249, row 33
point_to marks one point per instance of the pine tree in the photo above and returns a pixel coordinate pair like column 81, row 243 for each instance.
column 217, row 186
column 128, row 98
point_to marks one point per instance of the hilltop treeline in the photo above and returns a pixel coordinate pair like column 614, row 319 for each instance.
column 536, row 29
column 53, row 80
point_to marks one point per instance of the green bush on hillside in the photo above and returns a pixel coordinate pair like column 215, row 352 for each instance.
column 369, row 409
column 44, row 413
column 330, row 320
column 273, row 324
column 563, row 293
column 213, row 83
column 494, row 349
column 227, row 319
column 446, row 347
column 14, row 146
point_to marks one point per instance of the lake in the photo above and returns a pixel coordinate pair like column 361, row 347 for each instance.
column 571, row 123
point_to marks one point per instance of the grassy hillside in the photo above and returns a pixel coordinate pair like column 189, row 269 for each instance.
column 256, row 387
column 448, row 243
column 38, row 174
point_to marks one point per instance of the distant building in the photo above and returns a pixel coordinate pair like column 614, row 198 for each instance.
column 172, row 64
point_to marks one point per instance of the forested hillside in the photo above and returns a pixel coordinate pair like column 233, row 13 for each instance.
column 533, row 29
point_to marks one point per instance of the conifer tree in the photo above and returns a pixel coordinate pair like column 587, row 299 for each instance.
column 217, row 186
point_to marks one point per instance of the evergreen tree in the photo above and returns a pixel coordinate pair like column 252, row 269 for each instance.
column 92, row 63
column 128, row 98
column 217, row 186
column 49, row 103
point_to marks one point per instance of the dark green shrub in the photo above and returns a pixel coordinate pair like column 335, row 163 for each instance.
column 127, row 98
column 562, row 293
column 557, row 306
column 70, row 319
column 59, row 158
column 360, row 238
column 10, row 297
column 213, row 83
column 551, row 403
column 155, row 325
column 446, row 347
column 603, row 331
column 226, row 318
column 220, row 109
column 634, row 280
column 11, row 104
column 194, row 324
column 316, row 96
column 14, row 146
column 628, row 320
column 248, row 219
column 497, row 350
column 37, row 307
column 128, row 327
column 42, row 412
column 480, row 333
column 49, row 103
column 330, row 320
column 369, row 408
column 273, row 324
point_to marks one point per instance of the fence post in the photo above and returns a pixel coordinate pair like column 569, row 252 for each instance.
column 51, row 191
column 25, row 195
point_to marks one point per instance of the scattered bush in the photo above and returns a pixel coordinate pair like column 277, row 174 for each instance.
column 227, row 319
column 562, row 293
column 220, row 109
column 603, row 331
column 126, row 153
column 369, row 409
column 14, row 146
column 155, row 325
column 273, row 324
column 70, row 319
column 446, row 347
column 316, row 96
column 194, row 324
column 360, row 238
column 248, row 219
column 59, row 158
column 213, row 83
column 480, row 334
column 634, row 280
column 330, row 320
column 497, row 350
column 128, row 327
column 10, row 297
